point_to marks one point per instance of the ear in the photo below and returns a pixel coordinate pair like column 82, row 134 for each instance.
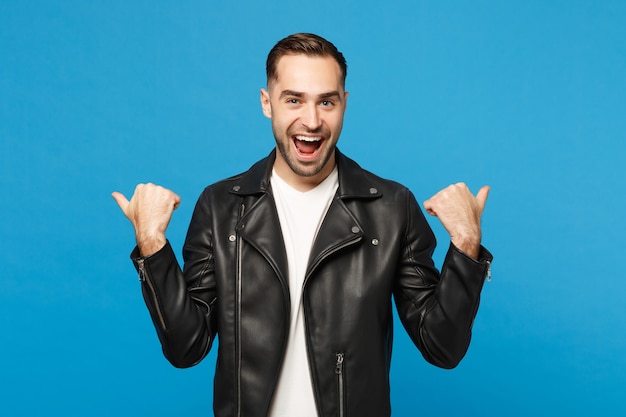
column 265, row 103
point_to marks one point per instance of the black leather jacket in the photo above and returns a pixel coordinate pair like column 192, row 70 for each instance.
column 374, row 243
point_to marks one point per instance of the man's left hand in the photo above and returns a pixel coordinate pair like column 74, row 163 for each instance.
column 459, row 212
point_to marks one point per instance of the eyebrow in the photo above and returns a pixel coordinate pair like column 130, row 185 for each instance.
column 292, row 93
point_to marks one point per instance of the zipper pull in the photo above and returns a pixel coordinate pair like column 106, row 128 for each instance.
column 142, row 270
column 339, row 364
column 488, row 274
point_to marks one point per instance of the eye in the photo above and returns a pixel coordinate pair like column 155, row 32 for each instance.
column 327, row 103
column 293, row 101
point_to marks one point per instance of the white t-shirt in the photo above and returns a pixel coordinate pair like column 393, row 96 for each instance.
column 300, row 214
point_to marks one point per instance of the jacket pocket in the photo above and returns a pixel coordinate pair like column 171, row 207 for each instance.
column 341, row 385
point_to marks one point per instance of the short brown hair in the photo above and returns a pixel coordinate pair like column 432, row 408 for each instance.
column 306, row 44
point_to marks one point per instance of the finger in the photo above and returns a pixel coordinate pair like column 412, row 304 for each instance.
column 429, row 206
column 482, row 195
column 121, row 200
column 176, row 201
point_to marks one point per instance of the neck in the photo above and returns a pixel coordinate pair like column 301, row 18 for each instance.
column 300, row 182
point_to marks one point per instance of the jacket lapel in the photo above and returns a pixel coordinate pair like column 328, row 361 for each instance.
column 339, row 230
column 260, row 227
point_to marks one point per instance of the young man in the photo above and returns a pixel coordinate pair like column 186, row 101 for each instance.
column 294, row 262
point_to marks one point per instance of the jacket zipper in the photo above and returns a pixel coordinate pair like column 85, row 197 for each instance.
column 143, row 277
column 488, row 272
column 238, row 312
column 340, row 356
column 340, row 384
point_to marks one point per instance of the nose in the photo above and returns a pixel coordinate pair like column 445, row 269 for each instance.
column 311, row 117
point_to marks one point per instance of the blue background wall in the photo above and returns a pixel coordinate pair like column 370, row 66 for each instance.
column 525, row 96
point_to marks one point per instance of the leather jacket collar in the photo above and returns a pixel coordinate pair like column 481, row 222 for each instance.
column 352, row 181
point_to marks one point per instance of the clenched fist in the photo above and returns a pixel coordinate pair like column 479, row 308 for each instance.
column 149, row 210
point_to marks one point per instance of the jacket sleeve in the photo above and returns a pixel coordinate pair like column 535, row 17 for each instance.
column 182, row 305
column 437, row 309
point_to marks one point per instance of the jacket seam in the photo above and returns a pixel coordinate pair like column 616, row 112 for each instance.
column 406, row 235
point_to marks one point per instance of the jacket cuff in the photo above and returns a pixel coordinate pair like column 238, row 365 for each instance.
column 136, row 257
column 483, row 263
column 483, row 254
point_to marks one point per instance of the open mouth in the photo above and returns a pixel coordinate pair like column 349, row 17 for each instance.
column 307, row 145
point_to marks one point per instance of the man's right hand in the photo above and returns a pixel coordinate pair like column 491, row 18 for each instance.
column 149, row 210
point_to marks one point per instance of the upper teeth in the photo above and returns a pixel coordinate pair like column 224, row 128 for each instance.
column 309, row 138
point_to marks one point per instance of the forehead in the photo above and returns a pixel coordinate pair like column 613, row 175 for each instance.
column 307, row 74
